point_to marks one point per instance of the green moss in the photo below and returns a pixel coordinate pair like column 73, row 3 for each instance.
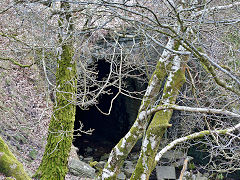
column 171, row 92
column 191, row 166
column 160, row 123
column 114, row 177
column 131, row 139
column 13, row 61
column 220, row 176
column 9, row 165
column 161, row 70
column 93, row 163
column 9, row 178
column 59, row 141
column 138, row 170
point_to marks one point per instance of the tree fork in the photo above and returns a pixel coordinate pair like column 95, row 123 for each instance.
column 160, row 122
column 123, row 148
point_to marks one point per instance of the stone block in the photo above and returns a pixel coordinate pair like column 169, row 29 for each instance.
column 165, row 172
column 82, row 169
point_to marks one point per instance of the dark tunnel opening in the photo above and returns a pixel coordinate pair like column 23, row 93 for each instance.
column 108, row 129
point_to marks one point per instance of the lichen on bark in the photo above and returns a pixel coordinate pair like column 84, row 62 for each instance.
column 160, row 122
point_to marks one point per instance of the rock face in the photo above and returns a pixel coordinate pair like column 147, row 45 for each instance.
column 81, row 169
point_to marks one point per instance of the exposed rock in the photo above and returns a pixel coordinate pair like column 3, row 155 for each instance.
column 121, row 176
column 169, row 155
column 82, row 169
column 165, row 172
column 201, row 178
column 81, row 157
column 188, row 175
column 88, row 159
column 100, row 164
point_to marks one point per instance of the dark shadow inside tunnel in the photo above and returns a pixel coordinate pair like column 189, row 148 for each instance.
column 108, row 129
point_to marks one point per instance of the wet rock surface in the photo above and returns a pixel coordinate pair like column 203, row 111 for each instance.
column 80, row 168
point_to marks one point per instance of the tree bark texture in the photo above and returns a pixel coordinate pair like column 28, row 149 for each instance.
column 160, row 122
column 9, row 165
column 60, row 132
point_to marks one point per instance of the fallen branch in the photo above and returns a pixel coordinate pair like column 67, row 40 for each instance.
column 15, row 62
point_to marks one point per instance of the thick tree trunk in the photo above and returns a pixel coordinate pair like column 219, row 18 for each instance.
column 9, row 165
column 60, row 132
column 160, row 122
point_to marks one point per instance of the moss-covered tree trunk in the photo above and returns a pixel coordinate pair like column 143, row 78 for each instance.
column 160, row 121
column 9, row 165
column 125, row 145
column 60, row 132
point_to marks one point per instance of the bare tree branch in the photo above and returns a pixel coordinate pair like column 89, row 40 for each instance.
column 199, row 13
column 194, row 136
